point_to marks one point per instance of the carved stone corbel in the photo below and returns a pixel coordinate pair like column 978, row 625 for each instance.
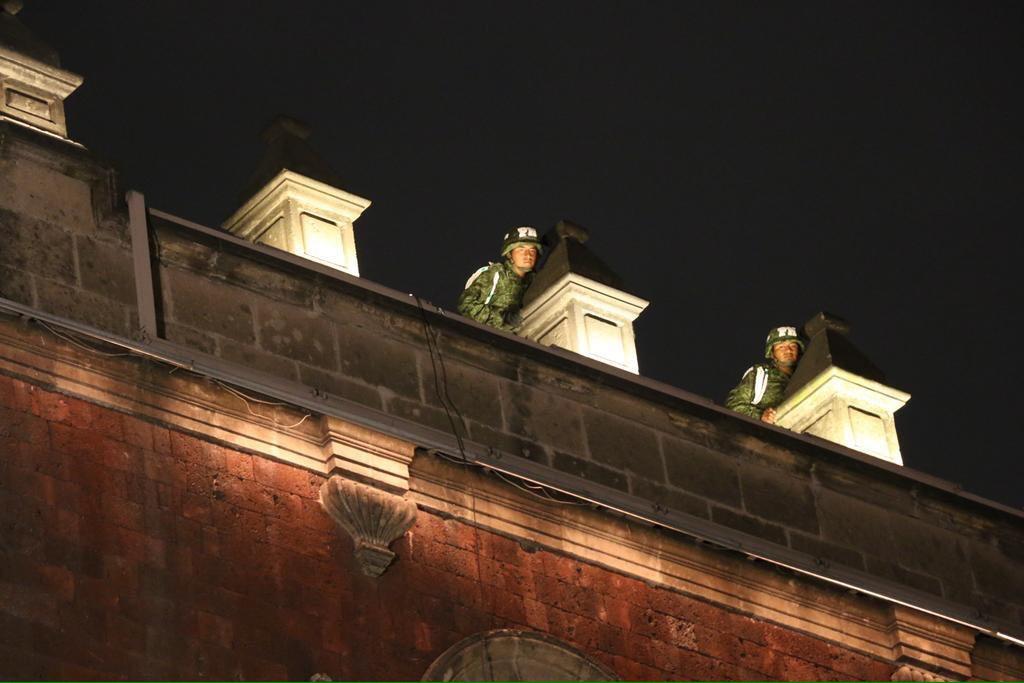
column 366, row 455
column 924, row 645
column 373, row 518
column 912, row 673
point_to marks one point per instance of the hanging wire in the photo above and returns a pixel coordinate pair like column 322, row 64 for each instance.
column 441, row 379
column 441, row 389
column 72, row 340
column 547, row 497
column 245, row 398
column 535, row 490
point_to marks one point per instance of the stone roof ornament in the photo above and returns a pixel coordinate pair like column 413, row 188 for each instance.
column 293, row 201
column 838, row 394
column 569, row 255
column 33, row 87
column 568, row 230
column 577, row 302
column 288, row 148
column 829, row 345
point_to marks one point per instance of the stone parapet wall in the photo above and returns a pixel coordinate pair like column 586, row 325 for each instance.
column 63, row 232
column 346, row 339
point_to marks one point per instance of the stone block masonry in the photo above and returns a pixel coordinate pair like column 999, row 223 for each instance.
column 133, row 550
column 64, row 232
column 531, row 402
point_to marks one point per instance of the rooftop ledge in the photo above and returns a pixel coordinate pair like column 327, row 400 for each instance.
column 567, row 360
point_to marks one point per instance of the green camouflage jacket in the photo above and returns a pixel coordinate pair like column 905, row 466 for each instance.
column 762, row 386
column 493, row 294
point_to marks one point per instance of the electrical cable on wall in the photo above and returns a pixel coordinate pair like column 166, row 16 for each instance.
column 441, row 380
column 245, row 398
column 441, row 389
column 532, row 489
column 79, row 344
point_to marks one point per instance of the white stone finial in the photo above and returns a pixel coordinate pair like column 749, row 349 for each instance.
column 576, row 303
column 837, row 394
column 295, row 204
column 588, row 317
column 33, row 87
column 847, row 409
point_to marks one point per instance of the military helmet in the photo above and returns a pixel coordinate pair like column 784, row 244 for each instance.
column 778, row 335
column 524, row 236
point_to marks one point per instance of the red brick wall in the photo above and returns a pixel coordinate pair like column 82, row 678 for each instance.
column 128, row 550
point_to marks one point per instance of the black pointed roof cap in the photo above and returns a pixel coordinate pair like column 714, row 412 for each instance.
column 287, row 148
column 828, row 346
column 569, row 254
column 15, row 36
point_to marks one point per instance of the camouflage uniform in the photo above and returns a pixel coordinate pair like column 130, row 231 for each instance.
column 741, row 399
column 763, row 386
column 494, row 294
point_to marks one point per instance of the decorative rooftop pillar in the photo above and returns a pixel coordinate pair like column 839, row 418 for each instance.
column 838, row 394
column 33, row 87
column 294, row 202
column 577, row 302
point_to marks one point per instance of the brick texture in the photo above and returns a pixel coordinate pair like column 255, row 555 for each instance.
column 135, row 551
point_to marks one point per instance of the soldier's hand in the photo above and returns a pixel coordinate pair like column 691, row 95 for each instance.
column 768, row 416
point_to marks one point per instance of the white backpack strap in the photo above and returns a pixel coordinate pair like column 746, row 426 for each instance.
column 475, row 275
column 494, row 286
column 760, row 384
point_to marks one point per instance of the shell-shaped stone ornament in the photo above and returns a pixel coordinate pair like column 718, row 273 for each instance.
column 373, row 518
column 913, row 673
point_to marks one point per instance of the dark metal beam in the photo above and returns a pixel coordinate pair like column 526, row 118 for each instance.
column 138, row 225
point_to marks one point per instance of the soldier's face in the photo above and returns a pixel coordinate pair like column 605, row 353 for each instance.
column 523, row 258
column 786, row 353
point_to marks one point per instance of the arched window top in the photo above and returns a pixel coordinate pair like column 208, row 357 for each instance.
column 512, row 655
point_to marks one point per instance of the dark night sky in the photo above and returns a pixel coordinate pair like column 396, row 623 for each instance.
column 741, row 165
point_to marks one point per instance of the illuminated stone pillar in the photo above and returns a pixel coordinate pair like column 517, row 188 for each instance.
column 576, row 302
column 837, row 394
column 294, row 204
column 33, row 87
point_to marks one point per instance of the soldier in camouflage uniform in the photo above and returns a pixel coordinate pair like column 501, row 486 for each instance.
column 494, row 293
column 763, row 385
